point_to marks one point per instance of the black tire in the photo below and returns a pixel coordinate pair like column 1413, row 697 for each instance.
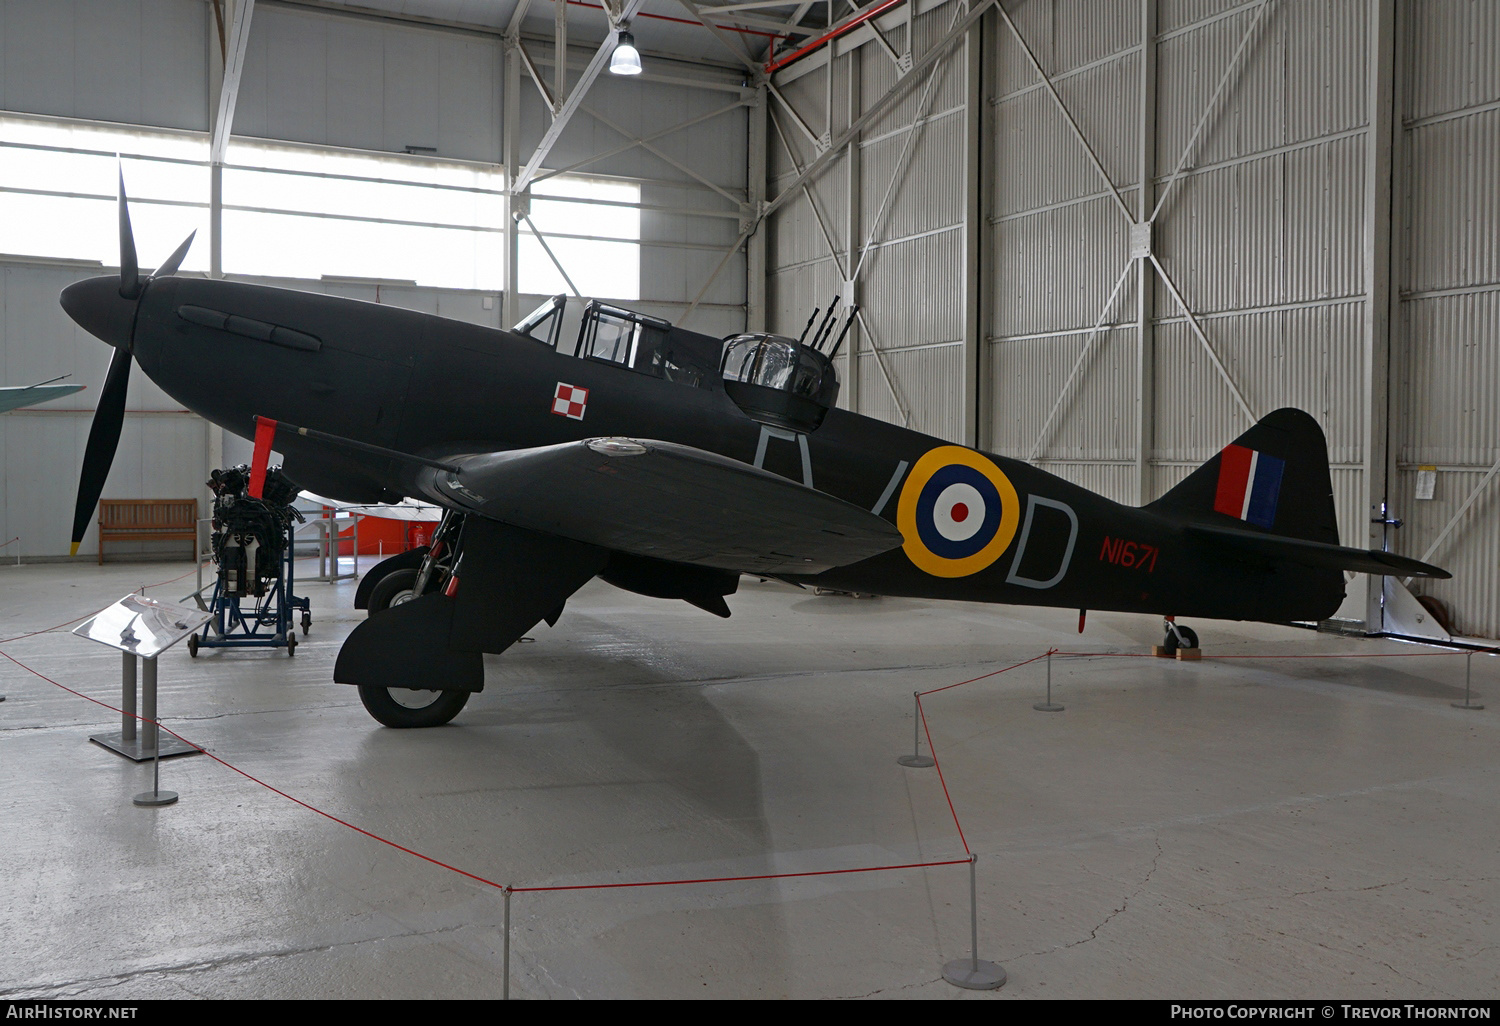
column 306, row 622
column 193, row 645
column 382, row 704
column 394, row 588
column 291, row 642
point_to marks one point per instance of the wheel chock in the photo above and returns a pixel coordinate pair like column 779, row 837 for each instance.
column 1189, row 654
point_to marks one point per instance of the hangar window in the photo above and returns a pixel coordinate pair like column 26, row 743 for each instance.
column 592, row 226
column 59, row 180
column 310, row 212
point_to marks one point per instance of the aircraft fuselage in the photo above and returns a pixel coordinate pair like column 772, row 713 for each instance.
column 428, row 385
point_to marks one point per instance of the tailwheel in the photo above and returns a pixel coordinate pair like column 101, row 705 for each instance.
column 1178, row 637
column 410, row 707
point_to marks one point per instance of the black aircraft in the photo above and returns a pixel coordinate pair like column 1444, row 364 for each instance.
column 598, row 442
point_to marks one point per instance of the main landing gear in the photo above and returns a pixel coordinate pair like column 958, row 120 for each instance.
column 413, row 707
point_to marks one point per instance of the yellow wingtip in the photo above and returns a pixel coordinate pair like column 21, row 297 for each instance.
column 74, row 550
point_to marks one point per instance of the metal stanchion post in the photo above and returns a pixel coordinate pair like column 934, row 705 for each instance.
column 916, row 760
column 155, row 796
column 1048, row 705
column 972, row 973
column 505, row 987
column 1468, row 666
column 151, row 740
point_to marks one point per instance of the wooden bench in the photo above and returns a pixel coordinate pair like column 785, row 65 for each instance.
column 148, row 520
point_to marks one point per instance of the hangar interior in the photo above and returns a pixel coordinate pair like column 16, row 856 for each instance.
column 1101, row 236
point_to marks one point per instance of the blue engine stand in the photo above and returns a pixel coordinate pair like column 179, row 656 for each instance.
column 267, row 625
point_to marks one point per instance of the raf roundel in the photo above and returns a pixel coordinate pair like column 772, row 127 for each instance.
column 958, row 512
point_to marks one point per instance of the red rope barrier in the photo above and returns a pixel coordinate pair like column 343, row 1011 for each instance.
column 462, row 872
column 15, row 539
column 654, row 883
column 1309, row 655
column 942, row 779
column 992, row 673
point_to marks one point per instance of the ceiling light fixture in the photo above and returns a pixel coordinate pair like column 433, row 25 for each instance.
column 626, row 59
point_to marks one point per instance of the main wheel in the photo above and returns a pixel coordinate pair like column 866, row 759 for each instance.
column 394, row 588
column 407, row 707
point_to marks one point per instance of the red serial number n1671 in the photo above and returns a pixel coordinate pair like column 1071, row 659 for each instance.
column 1133, row 555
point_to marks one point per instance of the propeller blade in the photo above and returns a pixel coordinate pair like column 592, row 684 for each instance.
column 104, row 437
column 175, row 260
column 130, row 271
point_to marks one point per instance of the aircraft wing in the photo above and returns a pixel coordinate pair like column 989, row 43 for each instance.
column 665, row 501
column 15, row 398
column 415, row 512
column 1319, row 554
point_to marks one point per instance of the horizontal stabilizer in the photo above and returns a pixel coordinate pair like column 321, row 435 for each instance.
column 665, row 501
column 1318, row 554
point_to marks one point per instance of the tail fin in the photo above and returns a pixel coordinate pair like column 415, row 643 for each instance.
column 1273, row 478
column 1269, row 492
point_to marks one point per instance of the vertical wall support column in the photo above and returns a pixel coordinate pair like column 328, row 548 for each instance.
column 755, row 189
column 510, row 133
column 216, row 45
column 1379, row 164
column 1145, row 284
column 978, row 174
column 216, row 221
column 853, row 223
column 560, row 56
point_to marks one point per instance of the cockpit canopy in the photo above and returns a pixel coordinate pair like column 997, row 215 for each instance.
column 779, row 381
column 775, row 380
column 612, row 334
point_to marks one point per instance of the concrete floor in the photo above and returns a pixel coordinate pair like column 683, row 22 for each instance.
column 1279, row 828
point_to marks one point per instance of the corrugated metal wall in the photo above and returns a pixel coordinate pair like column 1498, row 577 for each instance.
column 1446, row 365
column 1264, row 234
column 52, row 60
column 1058, row 243
column 910, row 209
column 316, row 77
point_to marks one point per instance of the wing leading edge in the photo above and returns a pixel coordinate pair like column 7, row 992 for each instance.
column 665, row 501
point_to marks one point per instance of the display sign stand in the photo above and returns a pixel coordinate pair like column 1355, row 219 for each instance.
column 141, row 628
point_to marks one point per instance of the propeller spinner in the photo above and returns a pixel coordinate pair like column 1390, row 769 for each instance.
column 105, row 307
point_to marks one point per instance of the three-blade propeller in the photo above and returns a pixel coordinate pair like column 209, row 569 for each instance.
column 109, row 415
